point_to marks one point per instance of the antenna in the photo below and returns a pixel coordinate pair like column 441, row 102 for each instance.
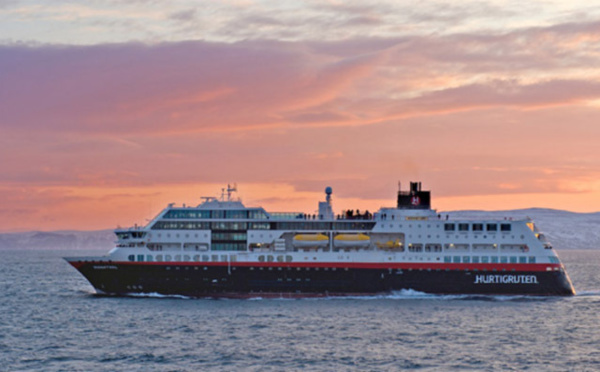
column 231, row 189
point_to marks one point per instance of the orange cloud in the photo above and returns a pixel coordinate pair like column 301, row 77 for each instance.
column 89, row 134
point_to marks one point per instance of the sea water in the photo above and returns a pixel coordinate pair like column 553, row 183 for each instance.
column 51, row 320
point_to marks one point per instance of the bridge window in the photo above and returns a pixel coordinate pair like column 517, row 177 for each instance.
column 505, row 227
column 180, row 225
column 186, row 214
column 449, row 227
column 477, row 227
column 257, row 214
column 236, row 214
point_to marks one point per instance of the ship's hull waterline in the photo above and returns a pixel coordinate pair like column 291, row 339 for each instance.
column 272, row 280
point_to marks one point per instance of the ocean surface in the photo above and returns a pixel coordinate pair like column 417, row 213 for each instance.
column 50, row 320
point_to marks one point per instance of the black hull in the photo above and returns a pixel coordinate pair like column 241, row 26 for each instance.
column 208, row 280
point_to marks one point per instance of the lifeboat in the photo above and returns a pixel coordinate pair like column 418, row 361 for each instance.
column 310, row 240
column 351, row 240
column 390, row 244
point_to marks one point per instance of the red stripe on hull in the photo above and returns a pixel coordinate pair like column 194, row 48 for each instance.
column 77, row 264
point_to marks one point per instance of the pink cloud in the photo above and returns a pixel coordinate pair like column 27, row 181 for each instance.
column 199, row 86
column 186, row 86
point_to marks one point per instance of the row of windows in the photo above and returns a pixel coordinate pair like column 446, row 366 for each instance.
column 489, row 259
column 477, row 227
column 184, row 258
column 178, row 213
column 205, row 258
column 130, row 234
column 228, row 236
column 229, row 225
column 259, row 226
column 278, row 258
column 196, row 225
column 465, row 247
column 324, row 226
column 174, row 225
column 291, row 226
column 288, row 258
column 228, row 247
column 428, row 248
column 228, row 213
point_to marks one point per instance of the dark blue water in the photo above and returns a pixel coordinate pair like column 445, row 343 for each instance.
column 51, row 321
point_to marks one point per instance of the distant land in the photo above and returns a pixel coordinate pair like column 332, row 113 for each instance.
column 565, row 230
column 37, row 240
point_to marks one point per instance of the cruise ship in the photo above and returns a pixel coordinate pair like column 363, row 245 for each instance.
column 221, row 248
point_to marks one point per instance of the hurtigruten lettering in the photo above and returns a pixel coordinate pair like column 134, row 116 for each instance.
column 506, row 279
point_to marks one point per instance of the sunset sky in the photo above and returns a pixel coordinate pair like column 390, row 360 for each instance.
column 111, row 109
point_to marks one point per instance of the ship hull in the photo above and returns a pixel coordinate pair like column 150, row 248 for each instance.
column 310, row 280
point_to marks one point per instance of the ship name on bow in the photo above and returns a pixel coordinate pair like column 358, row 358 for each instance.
column 506, row 279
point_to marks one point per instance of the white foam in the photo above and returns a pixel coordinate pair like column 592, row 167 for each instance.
column 157, row 295
column 588, row 293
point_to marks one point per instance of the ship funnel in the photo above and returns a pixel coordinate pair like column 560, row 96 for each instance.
column 415, row 198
